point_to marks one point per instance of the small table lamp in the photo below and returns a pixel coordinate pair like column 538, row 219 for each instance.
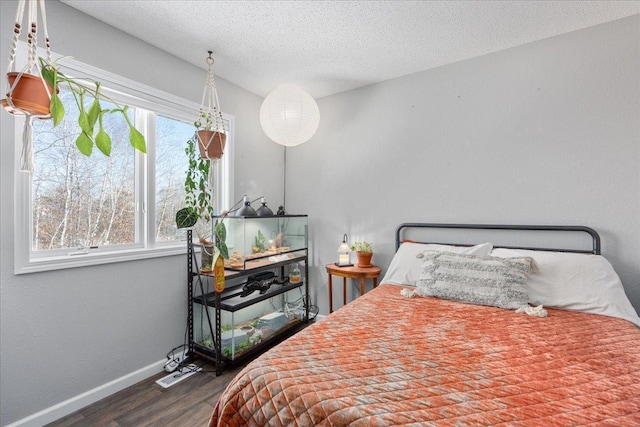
column 343, row 250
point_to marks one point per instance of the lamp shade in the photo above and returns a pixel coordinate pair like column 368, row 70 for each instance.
column 289, row 115
column 264, row 210
column 246, row 210
column 344, row 247
column 343, row 251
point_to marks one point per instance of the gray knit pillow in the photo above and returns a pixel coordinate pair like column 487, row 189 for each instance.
column 498, row 282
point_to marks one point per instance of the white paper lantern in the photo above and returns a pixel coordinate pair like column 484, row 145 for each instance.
column 289, row 115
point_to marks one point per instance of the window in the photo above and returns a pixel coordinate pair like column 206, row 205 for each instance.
column 171, row 165
column 75, row 210
column 79, row 201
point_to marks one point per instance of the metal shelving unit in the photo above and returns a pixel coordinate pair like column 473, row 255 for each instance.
column 230, row 302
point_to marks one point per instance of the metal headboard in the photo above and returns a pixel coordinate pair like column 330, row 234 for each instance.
column 560, row 228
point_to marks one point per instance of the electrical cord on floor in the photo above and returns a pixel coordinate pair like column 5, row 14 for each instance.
column 182, row 366
column 172, row 357
column 192, row 367
column 313, row 310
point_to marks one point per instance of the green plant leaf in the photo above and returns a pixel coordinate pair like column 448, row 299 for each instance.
column 83, row 121
column 103, row 142
column 84, row 144
column 224, row 251
column 186, row 218
column 94, row 113
column 221, row 237
column 48, row 73
column 137, row 140
column 189, row 184
column 57, row 109
column 221, row 232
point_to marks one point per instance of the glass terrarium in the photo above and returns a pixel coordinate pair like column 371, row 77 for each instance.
column 257, row 241
column 246, row 321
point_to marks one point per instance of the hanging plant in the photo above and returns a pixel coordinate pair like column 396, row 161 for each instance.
column 88, row 91
column 210, row 128
column 211, row 137
column 198, row 201
column 198, row 191
column 33, row 92
column 211, row 141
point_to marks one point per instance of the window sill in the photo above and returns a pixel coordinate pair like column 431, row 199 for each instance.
column 97, row 258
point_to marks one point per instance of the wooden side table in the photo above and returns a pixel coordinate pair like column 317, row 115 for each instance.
column 353, row 272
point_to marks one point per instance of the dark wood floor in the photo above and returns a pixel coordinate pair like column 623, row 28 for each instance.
column 187, row 403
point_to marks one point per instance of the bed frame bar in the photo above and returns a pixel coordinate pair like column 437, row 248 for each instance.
column 560, row 228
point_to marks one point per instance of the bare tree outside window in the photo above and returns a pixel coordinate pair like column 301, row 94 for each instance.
column 171, row 169
column 79, row 200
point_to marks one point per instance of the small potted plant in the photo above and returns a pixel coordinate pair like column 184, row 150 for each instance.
column 364, row 251
column 210, row 129
column 211, row 135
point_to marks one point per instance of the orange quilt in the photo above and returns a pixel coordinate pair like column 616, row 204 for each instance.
column 387, row 360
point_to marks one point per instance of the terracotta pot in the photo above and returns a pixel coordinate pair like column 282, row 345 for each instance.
column 29, row 95
column 211, row 144
column 364, row 259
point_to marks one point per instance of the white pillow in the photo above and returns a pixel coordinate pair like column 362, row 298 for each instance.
column 405, row 268
column 572, row 281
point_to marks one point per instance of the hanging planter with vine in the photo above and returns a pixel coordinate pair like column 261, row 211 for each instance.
column 199, row 200
column 211, row 137
column 210, row 127
column 33, row 92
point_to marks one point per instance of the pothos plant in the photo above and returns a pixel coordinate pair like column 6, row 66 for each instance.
column 204, row 121
column 87, row 91
column 198, row 200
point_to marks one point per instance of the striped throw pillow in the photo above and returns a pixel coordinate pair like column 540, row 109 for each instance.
column 482, row 280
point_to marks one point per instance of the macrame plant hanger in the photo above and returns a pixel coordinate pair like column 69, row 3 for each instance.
column 30, row 76
column 212, row 134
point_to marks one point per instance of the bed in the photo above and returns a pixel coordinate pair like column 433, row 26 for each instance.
column 411, row 352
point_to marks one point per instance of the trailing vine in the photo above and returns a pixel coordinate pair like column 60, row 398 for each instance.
column 199, row 198
column 197, row 187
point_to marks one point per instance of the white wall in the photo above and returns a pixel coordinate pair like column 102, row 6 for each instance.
column 66, row 332
column 546, row 133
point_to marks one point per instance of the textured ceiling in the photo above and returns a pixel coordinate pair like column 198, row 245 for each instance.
column 333, row 46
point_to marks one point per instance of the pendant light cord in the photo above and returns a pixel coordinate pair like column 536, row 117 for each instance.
column 284, row 201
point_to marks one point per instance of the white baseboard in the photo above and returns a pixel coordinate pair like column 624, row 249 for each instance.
column 73, row 404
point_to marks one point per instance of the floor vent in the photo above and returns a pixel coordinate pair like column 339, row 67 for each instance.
column 179, row 375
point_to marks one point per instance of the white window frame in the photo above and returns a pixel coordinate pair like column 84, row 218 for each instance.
column 146, row 99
